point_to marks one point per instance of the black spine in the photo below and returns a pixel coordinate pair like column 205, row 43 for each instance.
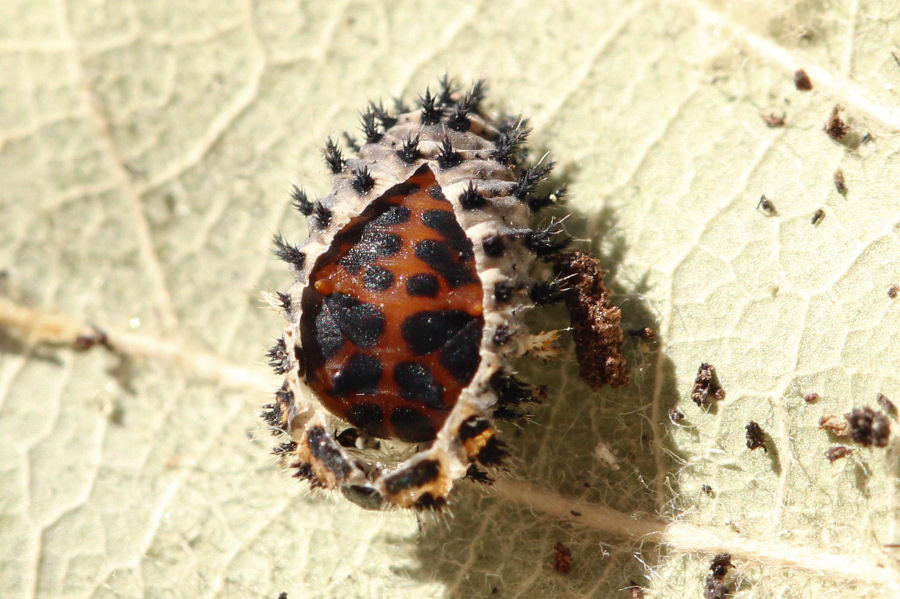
column 471, row 199
column 300, row 201
column 447, row 158
column 362, row 180
column 289, row 253
column 321, row 216
column 333, row 156
column 431, row 114
column 409, row 153
column 370, row 127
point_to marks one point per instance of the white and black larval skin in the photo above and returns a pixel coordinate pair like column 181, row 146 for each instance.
column 476, row 165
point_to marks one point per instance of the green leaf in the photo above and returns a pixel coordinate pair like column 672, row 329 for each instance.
column 147, row 150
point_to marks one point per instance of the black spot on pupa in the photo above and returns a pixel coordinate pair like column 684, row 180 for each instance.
column 377, row 278
column 328, row 336
column 411, row 425
column 424, row 285
column 374, row 243
column 367, row 417
column 357, row 257
column 435, row 192
column 360, row 375
column 362, row 323
column 440, row 257
column 324, row 449
column 382, row 243
column 417, row 384
column 411, row 477
column 444, row 223
column 428, row 331
column 460, row 354
column 395, row 215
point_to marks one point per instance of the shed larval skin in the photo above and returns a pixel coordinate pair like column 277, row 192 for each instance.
column 406, row 310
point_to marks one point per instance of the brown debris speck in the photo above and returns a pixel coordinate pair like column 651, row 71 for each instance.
column 893, row 291
column 562, row 558
column 707, row 489
column 836, row 452
column 675, row 416
column 706, row 386
column 636, row 591
column 596, row 322
column 715, row 587
column 720, row 564
column 802, row 81
column 811, row 397
column 766, row 206
column 817, row 217
column 886, row 404
column 645, row 333
column 836, row 128
column 93, row 336
column 868, row 427
column 756, row 437
column 839, row 183
column 836, row 425
column 773, row 120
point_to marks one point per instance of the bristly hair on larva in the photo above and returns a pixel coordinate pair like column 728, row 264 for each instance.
column 405, row 314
